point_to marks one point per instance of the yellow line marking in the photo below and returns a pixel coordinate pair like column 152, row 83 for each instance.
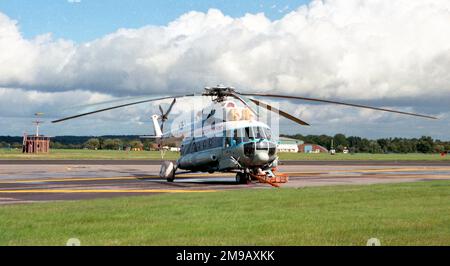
column 105, row 191
column 68, row 179
column 371, row 170
column 380, row 177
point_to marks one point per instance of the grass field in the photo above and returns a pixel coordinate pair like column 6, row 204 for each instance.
column 123, row 155
column 397, row 214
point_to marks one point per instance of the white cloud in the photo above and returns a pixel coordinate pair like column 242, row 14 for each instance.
column 352, row 49
column 349, row 49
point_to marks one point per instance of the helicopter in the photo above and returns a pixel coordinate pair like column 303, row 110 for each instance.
column 228, row 136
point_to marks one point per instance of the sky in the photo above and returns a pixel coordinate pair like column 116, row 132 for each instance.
column 86, row 20
column 55, row 55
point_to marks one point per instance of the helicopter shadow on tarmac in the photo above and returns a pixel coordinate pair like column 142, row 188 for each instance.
column 179, row 181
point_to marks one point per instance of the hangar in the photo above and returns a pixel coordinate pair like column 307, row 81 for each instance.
column 288, row 144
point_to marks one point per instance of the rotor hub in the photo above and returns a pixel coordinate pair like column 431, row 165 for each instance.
column 219, row 93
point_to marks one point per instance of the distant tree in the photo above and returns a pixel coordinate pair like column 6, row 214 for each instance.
column 425, row 145
column 447, row 146
column 438, row 148
column 112, row 144
column 384, row 144
column 354, row 143
column 56, row 145
column 92, row 144
column 102, row 143
column 16, row 145
column 136, row 144
column 339, row 148
column 340, row 140
column 374, row 147
column 170, row 144
column 364, row 145
column 4, row 145
column 147, row 144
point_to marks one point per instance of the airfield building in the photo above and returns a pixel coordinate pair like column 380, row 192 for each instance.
column 35, row 144
column 311, row 148
column 288, row 144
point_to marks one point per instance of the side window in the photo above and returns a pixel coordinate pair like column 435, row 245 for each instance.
column 251, row 132
column 237, row 136
column 228, row 136
column 246, row 136
column 219, row 142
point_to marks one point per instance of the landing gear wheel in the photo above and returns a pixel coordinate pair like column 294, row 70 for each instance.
column 167, row 171
column 242, row 178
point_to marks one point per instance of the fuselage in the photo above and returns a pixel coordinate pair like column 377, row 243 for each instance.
column 229, row 145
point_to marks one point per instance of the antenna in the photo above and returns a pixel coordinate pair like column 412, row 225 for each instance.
column 37, row 122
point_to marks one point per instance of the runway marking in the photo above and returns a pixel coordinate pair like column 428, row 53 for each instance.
column 70, row 179
column 104, row 191
column 411, row 176
column 305, row 173
column 67, row 179
column 371, row 171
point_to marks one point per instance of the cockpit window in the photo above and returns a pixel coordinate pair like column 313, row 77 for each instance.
column 260, row 134
column 267, row 132
column 237, row 136
column 248, row 131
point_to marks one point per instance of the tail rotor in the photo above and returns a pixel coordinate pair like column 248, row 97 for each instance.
column 163, row 117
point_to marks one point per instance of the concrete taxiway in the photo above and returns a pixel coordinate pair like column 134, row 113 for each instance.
column 31, row 181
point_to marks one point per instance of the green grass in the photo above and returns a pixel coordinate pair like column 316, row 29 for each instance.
column 397, row 214
column 123, row 155
column 365, row 156
column 74, row 154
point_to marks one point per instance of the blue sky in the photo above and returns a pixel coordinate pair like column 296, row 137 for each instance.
column 84, row 20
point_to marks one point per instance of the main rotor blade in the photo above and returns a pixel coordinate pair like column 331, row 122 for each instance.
column 337, row 102
column 282, row 113
column 121, row 106
column 243, row 100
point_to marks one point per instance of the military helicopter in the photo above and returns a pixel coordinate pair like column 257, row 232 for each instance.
column 228, row 137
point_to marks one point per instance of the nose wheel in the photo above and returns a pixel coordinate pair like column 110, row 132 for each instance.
column 242, row 178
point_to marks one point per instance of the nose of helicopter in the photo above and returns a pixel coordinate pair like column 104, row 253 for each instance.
column 261, row 158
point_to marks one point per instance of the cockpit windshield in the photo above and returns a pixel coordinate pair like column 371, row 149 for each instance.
column 251, row 133
column 248, row 133
column 259, row 133
column 268, row 133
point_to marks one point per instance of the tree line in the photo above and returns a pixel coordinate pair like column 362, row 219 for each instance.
column 383, row 145
column 88, row 142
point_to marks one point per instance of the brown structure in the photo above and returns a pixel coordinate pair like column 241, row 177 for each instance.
column 36, row 144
